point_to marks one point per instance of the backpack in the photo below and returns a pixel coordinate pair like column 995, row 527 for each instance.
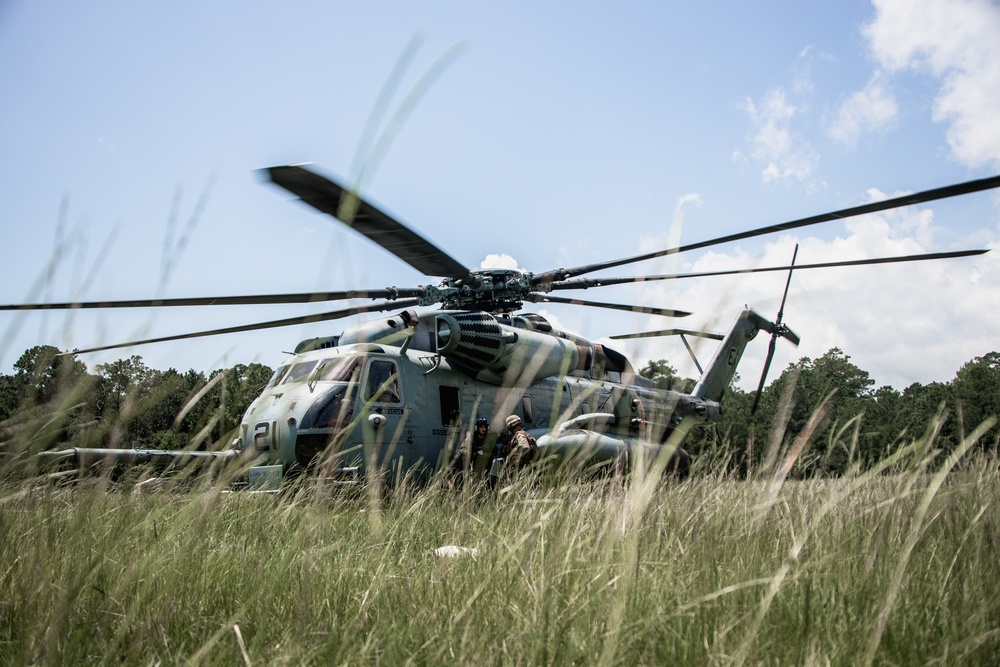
column 532, row 449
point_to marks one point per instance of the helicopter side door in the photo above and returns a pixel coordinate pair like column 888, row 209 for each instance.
column 384, row 421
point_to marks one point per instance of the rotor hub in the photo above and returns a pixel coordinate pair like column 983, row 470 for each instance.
column 488, row 290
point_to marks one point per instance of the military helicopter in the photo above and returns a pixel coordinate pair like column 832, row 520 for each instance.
column 397, row 394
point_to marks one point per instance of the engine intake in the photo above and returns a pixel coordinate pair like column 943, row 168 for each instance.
column 475, row 339
column 483, row 347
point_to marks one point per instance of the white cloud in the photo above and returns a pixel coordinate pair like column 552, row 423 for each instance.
column 957, row 41
column 871, row 109
column 498, row 261
column 780, row 154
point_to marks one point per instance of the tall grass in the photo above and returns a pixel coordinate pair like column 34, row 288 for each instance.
column 898, row 565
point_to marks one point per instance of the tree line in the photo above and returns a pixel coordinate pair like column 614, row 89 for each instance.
column 849, row 419
column 52, row 400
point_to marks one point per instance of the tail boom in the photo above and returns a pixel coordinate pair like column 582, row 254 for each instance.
column 720, row 371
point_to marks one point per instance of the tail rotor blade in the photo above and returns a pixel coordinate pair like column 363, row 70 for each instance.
column 763, row 375
column 778, row 329
column 788, row 282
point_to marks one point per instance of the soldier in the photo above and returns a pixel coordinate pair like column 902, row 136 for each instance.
column 523, row 448
column 475, row 444
column 474, row 447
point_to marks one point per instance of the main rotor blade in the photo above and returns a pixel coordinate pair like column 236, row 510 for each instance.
column 586, row 283
column 390, row 293
column 670, row 332
column 872, row 207
column 546, row 298
column 324, row 195
column 291, row 321
column 788, row 283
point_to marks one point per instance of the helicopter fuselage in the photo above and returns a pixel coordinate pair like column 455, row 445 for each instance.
column 401, row 393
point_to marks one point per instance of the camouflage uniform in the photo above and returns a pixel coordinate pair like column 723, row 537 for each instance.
column 522, row 449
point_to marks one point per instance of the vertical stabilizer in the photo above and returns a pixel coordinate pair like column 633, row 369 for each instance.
column 720, row 371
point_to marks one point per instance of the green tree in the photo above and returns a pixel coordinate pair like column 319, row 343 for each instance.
column 976, row 391
column 244, row 383
column 117, row 379
column 665, row 376
column 11, row 390
column 833, row 377
column 920, row 405
column 230, row 397
column 883, row 427
column 43, row 403
column 43, row 371
column 156, row 422
column 116, row 398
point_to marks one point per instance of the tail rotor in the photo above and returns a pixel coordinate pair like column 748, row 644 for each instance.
column 776, row 329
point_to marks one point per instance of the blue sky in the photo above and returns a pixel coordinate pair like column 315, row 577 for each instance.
column 551, row 136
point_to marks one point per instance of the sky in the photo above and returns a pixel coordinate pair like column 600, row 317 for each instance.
column 516, row 133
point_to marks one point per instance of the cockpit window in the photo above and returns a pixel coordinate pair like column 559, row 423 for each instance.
column 382, row 377
column 334, row 369
column 298, row 372
column 277, row 377
column 338, row 369
column 330, row 409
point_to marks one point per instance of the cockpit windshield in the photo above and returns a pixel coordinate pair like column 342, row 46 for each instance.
column 339, row 369
column 298, row 372
column 334, row 369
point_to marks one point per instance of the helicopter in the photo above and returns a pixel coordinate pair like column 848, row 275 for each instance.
column 396, row 395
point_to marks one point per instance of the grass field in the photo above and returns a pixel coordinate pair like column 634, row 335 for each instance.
column 899, row 566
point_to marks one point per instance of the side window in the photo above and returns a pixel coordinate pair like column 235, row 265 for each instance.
column 449, row 404
column 529, row 417
column 382, row 378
